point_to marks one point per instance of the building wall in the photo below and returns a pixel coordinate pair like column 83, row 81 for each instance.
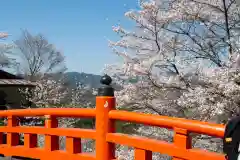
column 14, row 98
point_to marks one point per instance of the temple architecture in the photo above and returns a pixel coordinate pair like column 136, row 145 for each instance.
column 10, row 95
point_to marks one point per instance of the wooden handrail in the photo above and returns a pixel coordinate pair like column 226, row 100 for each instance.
column 105, row 136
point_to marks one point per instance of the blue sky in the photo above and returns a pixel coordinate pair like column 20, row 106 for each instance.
column 78, row 27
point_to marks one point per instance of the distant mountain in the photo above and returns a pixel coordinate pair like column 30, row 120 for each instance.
column 92, row 80
column 72, row 79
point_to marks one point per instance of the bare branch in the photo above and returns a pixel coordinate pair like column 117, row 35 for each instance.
column 37, row 56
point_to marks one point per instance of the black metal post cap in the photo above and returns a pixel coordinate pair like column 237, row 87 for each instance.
column 106, row 80
column 106, row 89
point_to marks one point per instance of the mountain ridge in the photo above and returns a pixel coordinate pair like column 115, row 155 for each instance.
column 74, row 78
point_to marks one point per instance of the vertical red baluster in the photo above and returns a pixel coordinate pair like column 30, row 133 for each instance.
column 140, row 154
column 12, row 138
column 182, row 140
column 73, row 145
column 30, row 140
column 51, row 142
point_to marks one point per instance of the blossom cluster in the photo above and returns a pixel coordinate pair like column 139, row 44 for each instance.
column 181, row 60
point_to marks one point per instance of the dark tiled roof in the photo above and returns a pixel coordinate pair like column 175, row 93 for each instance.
column 7, row 75
column 16, row 82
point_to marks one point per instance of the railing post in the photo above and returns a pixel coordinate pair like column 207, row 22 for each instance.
column 12, row 138
column 182, row 140
column 105, row 101
column 73, row 145
column 51, row 142
column 142, row 154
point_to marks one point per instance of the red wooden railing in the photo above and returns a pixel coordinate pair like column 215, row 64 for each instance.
column 104, row 135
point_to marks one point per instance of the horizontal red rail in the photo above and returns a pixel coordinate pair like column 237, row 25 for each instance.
column 59, row 112
column 104, row 134
column 39, row 153
column 210, row 129
column 162, row 147
column 70, row 132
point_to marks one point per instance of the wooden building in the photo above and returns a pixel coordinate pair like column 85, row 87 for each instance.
column 10, row 95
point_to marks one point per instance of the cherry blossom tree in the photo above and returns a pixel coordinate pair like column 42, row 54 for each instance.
column 50, row 93
column 172, row 45
column 47, row 93
column 5, row 52
column 181, row 60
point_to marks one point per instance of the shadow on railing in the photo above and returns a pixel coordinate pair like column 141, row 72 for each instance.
column 105, row 115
